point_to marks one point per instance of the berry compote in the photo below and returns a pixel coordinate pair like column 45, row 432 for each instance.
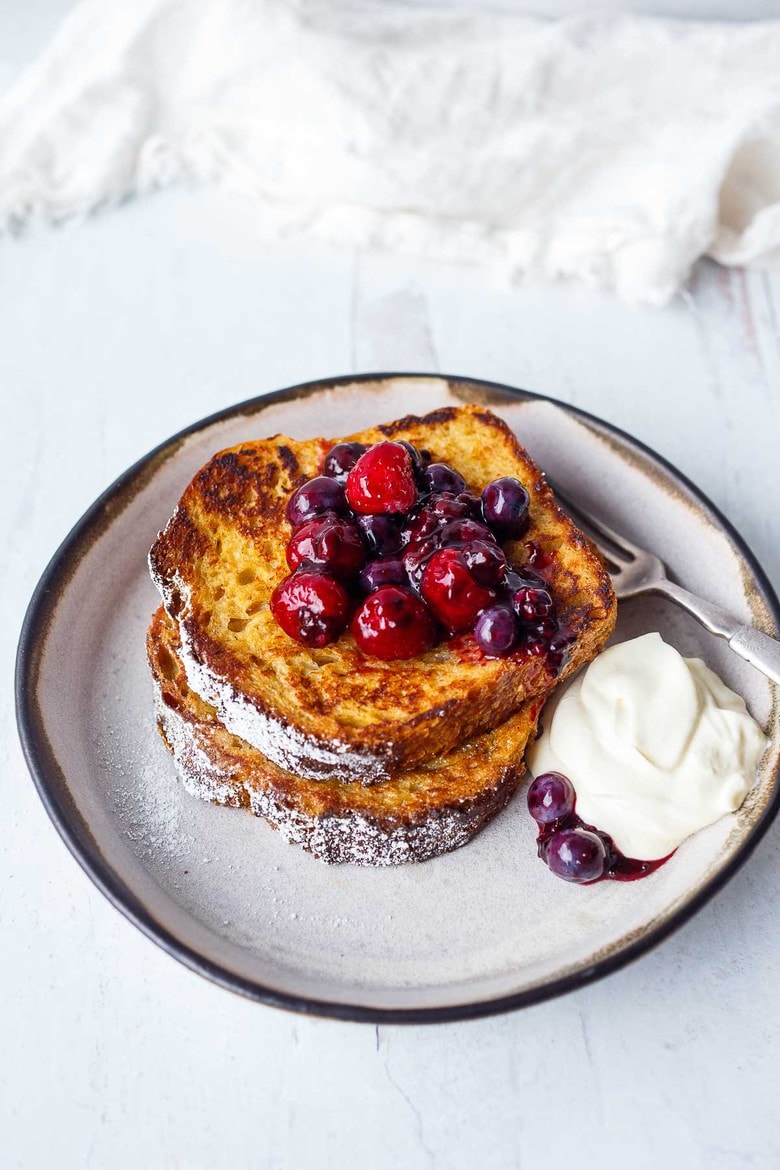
column 390, row 542
column 571, row 849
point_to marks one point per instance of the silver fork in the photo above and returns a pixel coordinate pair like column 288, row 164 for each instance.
column 635, row 571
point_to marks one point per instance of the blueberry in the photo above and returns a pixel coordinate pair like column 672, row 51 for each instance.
column 418, row 463
column 314, row 498
column 382, row 533
column 454, row 507
column 496, row 631
column 438, row 477
column 341, row 459
column 420, row 525
column 550, row 798
column 505, row 507
column 385, row 571
column 486, row 561
column 576, row 855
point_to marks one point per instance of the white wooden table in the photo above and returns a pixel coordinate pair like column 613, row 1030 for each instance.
column 115, row 334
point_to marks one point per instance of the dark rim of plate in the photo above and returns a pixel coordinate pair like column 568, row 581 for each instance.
column 52, row 785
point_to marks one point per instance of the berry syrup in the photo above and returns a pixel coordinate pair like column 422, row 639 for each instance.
column 571, row 848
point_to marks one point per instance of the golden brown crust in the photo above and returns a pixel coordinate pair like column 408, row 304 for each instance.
column 334, row 711
column 418, row 815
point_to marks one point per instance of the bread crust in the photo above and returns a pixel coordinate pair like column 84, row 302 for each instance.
column 419, row 815
column 334, row 713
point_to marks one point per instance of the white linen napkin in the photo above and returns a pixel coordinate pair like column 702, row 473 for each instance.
column 619, row 149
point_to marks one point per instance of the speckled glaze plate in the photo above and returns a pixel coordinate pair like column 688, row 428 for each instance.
column 481, row 930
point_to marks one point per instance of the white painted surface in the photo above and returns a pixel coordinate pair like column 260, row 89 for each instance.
column 113, row 335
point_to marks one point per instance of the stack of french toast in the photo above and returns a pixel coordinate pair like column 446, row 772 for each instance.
column 373, row 759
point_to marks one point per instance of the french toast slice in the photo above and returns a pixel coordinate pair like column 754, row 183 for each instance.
column 333, row 711
column 429, row 810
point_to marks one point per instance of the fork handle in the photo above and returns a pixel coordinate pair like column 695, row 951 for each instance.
column 757, row 648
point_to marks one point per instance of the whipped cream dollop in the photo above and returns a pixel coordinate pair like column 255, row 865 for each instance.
column 656, row 746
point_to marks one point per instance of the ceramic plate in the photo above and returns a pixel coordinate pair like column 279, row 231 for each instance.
column 480, row 930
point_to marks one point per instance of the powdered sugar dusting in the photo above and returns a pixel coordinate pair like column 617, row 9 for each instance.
column 354, row 838
column 281, row 742
column 201, row 777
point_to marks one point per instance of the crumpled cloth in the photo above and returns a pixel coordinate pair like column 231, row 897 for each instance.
column 618, row 149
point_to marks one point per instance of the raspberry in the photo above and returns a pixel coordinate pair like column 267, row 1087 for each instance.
column 382, row 481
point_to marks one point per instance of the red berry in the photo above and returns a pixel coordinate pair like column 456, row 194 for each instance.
column 393, row 623
column 436, row 512
column 453, row 506
column 455, row 597
column 544, row 628
column 311, row 608
column 328, row 543
column 535, row 648
column 531, row 604
column 382, row 481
